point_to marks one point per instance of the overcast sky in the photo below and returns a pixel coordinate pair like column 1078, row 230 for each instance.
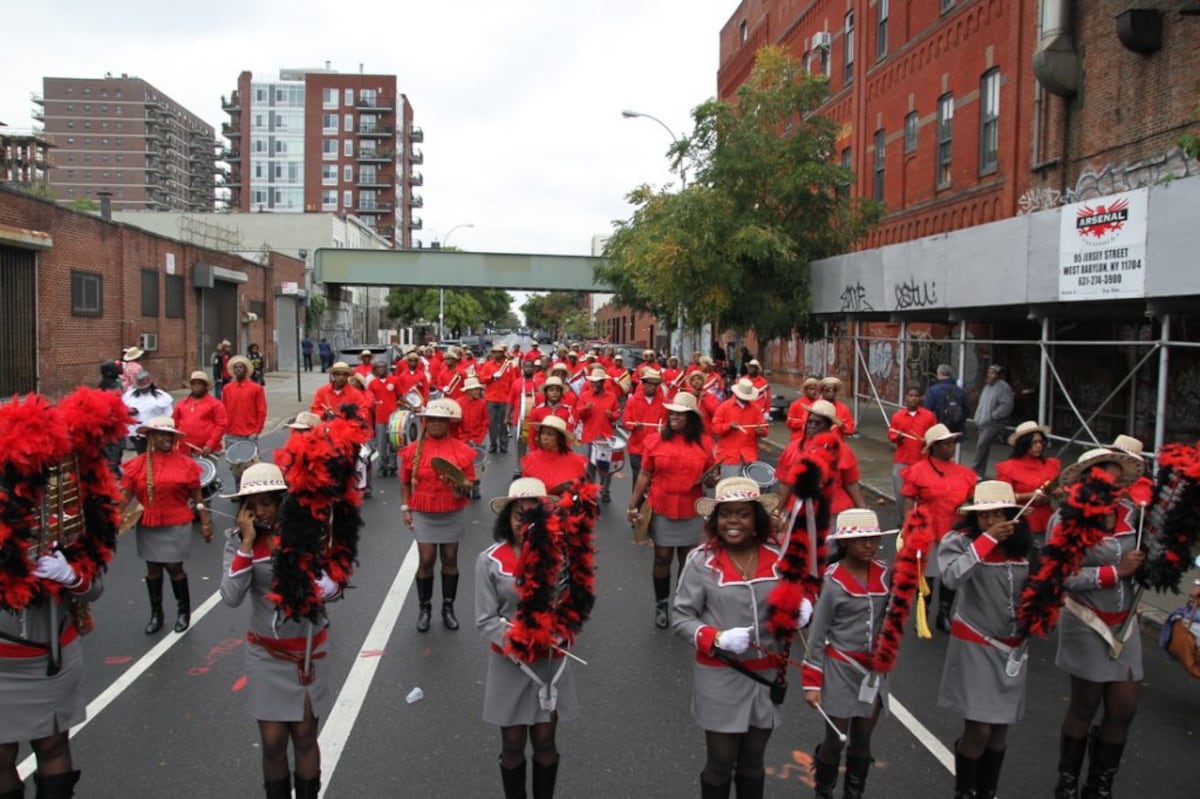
column 520, row 100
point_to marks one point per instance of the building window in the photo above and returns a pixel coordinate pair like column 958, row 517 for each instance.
column 847, row 158
column 329, row 123
column 329, row 148
column 349, row 97
column 880, row 161
column 824, row 61
column 743, row 32
column 329, row 98
column 260, row 95
column 989, row 121
column 848, row 40
column 87, row 294
column 329, row 174
column 910, row 132
column 947, row 5
column 329, row 200
column 347, row 199
column 881, row 42
column 348, row 148
column 174, row 296
column 348, row 123
column 945, row 139
column 348, row 173
column 149, row 292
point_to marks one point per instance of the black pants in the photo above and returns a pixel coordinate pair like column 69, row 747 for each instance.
column 308, row 361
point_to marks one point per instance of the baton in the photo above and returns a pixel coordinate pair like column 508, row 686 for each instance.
column 555, row 647
column 841, row 735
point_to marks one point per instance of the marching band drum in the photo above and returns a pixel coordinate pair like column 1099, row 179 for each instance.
column 240, row 456
column 608, row 454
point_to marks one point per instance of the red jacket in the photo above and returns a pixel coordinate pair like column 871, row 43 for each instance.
column 326, row 399
column 432, row 495
column 598, row 412
column 497, row 379
column 907, row 432
column 553, row 468
column 846, row 473
column 562, row 410
column 407, row 380
column 175, row 475
column 733, row 445
column 848, row 424
column 643, row 419
column 385, row 394
column 203, row 421
column 676, row 468
column 797, row 417
column 474, row 425
column 246, row 404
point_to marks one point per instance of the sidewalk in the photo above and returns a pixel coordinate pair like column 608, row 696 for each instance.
column 874, row 453
column 282, row 402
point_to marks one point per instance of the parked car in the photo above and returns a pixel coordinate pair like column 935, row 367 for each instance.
column 350, row 353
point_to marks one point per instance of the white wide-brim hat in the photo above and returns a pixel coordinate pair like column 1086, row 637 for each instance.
column 991, row 495
column 825, row 409
column 160, row 424
column 1024, row 429
column 522, row 488
column 857, row 523
column 1131, row 467
column 305, row 420
column 261, row 478
column 340, row 366
column 651, row 376
column 553, row 382
column 201, row 376
column 444, row 408
column 556, row 423
column 472, row 383
column 244, row 361
column 1129, row 445
column 132, row 354
column 736, row 489
column 683, row 402
column 939, row 432
column 745, row 390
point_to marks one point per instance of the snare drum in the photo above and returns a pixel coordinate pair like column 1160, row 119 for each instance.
column 209, row 484
column 402, row 428
column 414, row 400
column 241, row 455
column 608, row 454
column 481, row 460
column 762, row 473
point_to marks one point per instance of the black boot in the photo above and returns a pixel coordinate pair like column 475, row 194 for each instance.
column 749, row 787
column 966, row 776
column 425, row 598
column 513, row 780
column 56, row 786
column 183, row 601
column 307, row 789
column 710, row 791
column 824, row 775
column 544, row 778
column 662, row 614
column 1102, row 769
column 945, row 607
column 989, row 773
column 855, row 784
column 1070, row 762
column 279, row 789
column 449, row 592
column 154, row 589
column 15, row 793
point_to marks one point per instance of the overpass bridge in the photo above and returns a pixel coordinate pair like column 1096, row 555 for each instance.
column 454, row 269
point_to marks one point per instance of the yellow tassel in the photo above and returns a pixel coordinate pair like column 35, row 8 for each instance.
column 922, row 615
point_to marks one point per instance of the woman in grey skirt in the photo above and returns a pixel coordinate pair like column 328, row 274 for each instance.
column 287, row 684
column 167, row 482
column 721, row 607
column 674, row 464
column 515, row 693
column 841, row 642
column 985, row 559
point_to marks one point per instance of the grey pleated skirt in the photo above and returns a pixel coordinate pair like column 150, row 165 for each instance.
column 839, row 694
column 1084, row 654
column 724, row 700
column 510, row 698
column 439, row 528
column 274, row 688
column 668, row 532
column 36, row 705
column 976, row 687
column 164, row 544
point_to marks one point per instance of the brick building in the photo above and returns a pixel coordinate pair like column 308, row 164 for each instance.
column 626, row 326
column 24, row 157
column 322, row 141
column 124, row 136
column 75, row 289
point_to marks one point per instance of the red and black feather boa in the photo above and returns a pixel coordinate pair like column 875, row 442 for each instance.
column 906, row 577
column 1173, row 519
column 1080, row 527
column 36, row 436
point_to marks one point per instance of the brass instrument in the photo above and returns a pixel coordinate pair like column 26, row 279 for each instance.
column 61, row 520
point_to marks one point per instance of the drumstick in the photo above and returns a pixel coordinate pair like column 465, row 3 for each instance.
column 841, row 735
column 1036, row 493
column 576, row 658
column 1141, row 519
column 193, row 446
column 904, row 434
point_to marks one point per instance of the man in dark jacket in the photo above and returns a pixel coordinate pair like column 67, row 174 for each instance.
column 947, row 400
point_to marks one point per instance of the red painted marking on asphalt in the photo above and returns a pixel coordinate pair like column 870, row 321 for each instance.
column 427, row 651
column 371, row 653
column 117, row 660
column 801, row 769
column 239, row 684
column 221, row 650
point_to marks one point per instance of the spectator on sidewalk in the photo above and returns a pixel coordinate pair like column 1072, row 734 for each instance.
column 306, row 347
column 130, row 368
column 145, row 401
column 946, row 399
column 906, row 431
column 995, row 406
column 326, row 353
column 259, row 363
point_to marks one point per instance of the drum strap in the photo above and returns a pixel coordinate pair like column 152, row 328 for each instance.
column 1095, row 623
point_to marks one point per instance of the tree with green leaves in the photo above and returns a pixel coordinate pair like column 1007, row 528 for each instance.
column 559, row 313
column 767, row 199
column 465, row 308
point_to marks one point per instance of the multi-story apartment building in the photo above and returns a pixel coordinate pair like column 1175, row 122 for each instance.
column 321, row 141
column 124, row 136
column 24, row 157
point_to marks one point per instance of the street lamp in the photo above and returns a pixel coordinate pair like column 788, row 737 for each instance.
column 442, row 291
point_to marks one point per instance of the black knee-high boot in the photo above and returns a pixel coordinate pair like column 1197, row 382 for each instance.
column 710, row 791
column 544, row 779
column 1070, row 763
column 966, row 776
column 857, row 767
column 662, row 607
column 749, row 787
column 945, row 606
column 56, row 786
column 425, row 598
column 513, row 780
column 1104, row 760
column 154, row 589
column 449, row 592
column 989, row 773
column 279, row 789
column 183, row 604
column 825, row 775
column 307, row 789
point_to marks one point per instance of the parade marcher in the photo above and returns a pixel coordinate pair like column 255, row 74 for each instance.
column 306, row 347
column 497, row 376
column 720, row 607
column 553, row 404
column 991, row 415
column 384, row 392
column 165, row 479
column 433, row 505
column 754, row 374
column 797, row 414
column 672, row 377
column 941, row 486
column 830, row 386
column 521, row 399
column 451, row 374
column 552, row 460
column 130, row 368
column 1028, row 470
column 841, row 642
column 245, row 402
column 622, row 378
column 738, row 425
column 363, row 367
column 258, row 364
column 473, row 428
column 841, row 487
column 644, row 416
column 705, row 400
column 598, row 409
column 674, row 466
column 906, row 431
column 145, row 400
column 985, row 559
column 412, row 376
column 649, row 361
column 200, row 416
column 1099, row 600
column 329, row 399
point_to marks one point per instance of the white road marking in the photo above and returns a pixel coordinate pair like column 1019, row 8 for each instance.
column 337, row 728
column 118, row 686
column 922, row 734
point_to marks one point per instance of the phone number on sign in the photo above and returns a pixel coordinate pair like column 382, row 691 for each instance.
column 1098, row 280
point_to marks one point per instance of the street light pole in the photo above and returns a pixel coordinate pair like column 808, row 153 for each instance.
column 442, row 291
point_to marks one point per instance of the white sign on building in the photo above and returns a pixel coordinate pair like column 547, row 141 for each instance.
column 1102, row 248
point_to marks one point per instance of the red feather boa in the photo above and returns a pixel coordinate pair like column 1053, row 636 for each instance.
column 1172, row 519
column 906, row 576
column 796, row 580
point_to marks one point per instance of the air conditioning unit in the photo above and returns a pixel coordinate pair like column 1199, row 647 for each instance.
column 149, row 342
column 249, row 316
column 822, row 40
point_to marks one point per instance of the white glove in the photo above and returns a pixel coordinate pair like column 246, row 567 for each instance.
column 735, row 639
column 327, row 586
column 55, row 567
column 805, row 612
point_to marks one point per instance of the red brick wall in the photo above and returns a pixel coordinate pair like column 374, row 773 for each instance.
column 624, row 326
column 70, row 348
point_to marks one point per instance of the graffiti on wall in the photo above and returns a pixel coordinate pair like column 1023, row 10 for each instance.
column 854, row 298
column 923, row 354
column 1112, row 179
column 881, row 358
column 913, row 293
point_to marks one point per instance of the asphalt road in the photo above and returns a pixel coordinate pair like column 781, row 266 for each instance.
column 180, row 726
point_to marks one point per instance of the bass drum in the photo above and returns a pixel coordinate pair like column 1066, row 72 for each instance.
column 414, row 400
column 762, row 473
column 402, row 428
column 608, row 454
